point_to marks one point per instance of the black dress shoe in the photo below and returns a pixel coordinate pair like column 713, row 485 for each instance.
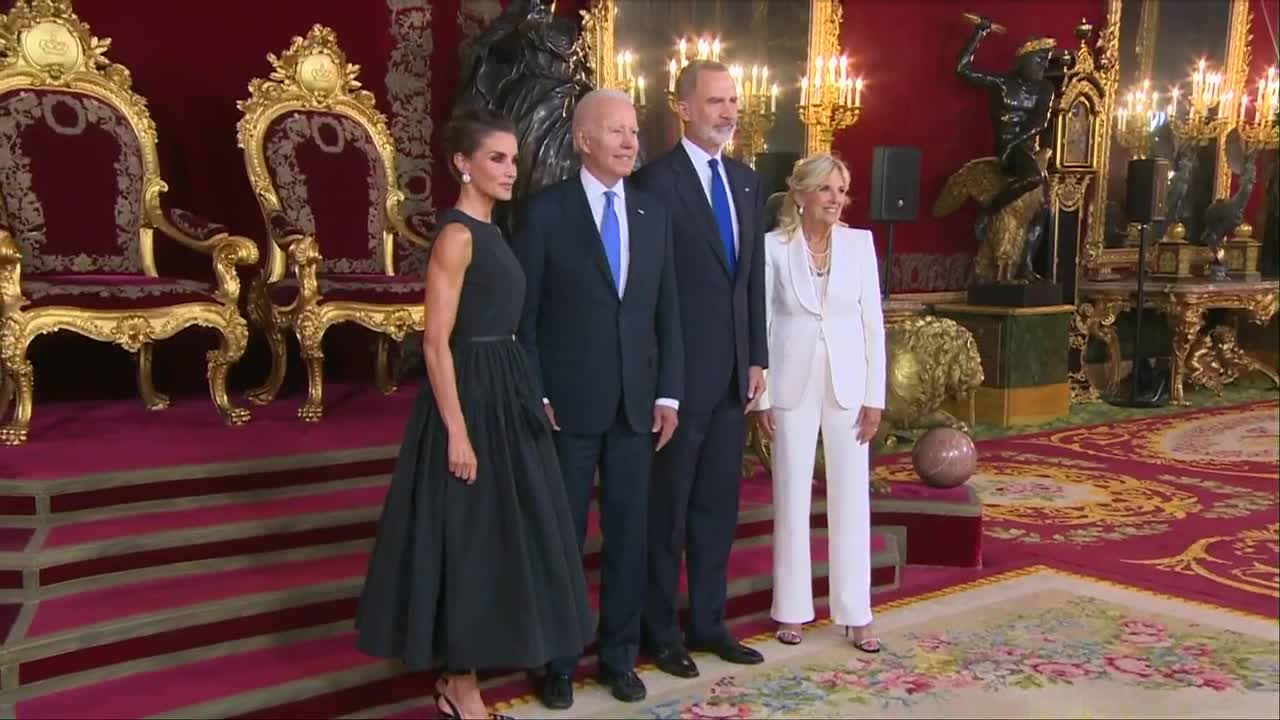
column 731, row 651
column 675, row 660
column 557, row 691
column 627, row 687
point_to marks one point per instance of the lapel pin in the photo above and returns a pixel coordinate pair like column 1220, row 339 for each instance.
column 640, row 210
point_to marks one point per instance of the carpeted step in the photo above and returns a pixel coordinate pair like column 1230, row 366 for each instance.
column 95, row 554
column 256, row 680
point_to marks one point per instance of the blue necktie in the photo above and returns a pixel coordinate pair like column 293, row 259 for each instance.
column 724, row 215
column 611, row 234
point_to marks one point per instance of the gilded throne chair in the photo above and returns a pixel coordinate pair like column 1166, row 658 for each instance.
column 321, row 161
column 81, row 199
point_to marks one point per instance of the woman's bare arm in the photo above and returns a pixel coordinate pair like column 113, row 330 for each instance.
column 450, row 256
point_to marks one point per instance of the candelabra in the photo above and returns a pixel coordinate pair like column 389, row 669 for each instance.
column 1210, row 112
column 1137, row 118
column 630, row 83
column 757, row 110
column 703, row 48
column 830, row 100
column 1261, row 134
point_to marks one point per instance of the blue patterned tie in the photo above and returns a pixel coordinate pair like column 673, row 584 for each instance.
column 724, row 215
column 611, row 234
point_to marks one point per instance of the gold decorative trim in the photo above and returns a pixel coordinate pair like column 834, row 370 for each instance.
column 825, row 20
column 44, row 45
column 596, row 42
column 313, row 76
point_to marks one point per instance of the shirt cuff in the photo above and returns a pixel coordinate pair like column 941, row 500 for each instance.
column 668, row 402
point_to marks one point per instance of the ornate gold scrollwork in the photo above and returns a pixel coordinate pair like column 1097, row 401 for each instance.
column 43, row 44
column 313, row 75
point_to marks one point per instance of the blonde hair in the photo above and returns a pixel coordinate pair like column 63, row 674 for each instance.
column 807, row 176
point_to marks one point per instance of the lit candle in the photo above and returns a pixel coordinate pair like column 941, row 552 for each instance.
column 773, row 98
column 1173, row 102
column 620, row 75
column 684, row 51
column 640, row 86
column 715, row 50
column 857, row 97
column 804, row 89
column 831, row 69
column 844, row 67
column 672, row 70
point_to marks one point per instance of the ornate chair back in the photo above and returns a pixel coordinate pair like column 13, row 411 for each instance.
column 78, row 164
column 320, row 158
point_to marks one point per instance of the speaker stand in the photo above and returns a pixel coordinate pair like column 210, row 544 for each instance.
column 888, row 267
column 1146, row 385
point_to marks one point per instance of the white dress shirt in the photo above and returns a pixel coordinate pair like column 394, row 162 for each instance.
column 595, row 198
column 701, row 164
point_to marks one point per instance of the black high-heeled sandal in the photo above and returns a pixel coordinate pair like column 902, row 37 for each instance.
column 453, row 713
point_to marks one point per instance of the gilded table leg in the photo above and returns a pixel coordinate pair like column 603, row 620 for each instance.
column 383, row 372
column 143, row 360
column 18, row 373
column 1185, row 320
column 235, row 337
column 310, row 331
column 1099, row 321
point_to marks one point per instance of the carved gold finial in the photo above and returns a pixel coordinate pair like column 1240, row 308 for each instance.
column 1083, row 30
column 1244, row 230
column 1177, row 233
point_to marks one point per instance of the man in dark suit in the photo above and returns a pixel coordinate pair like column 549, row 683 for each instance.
column 717, row 212
column 601, row 327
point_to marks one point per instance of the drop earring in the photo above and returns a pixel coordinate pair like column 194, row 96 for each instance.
column 466, row 177
column 800, row 209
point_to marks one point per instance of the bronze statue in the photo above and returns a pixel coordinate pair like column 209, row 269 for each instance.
column 527, row 65
column 1224, row 215
column 1021, row 102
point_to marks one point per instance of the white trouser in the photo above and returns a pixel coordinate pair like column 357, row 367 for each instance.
column 848, row 505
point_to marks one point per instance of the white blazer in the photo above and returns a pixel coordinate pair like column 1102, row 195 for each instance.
column 852, row 323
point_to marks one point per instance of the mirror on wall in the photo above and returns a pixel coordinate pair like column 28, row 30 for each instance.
column 1162, row 44
column 752, row 34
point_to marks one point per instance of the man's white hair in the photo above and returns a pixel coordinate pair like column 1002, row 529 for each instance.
column 585, row 109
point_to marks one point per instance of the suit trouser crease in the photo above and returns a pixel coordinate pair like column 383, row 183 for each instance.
column 624, row 459
column 694, row 512
column 848, row 504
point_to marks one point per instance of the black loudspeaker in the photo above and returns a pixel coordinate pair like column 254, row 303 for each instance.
column 895, row 183
column 1146, row 189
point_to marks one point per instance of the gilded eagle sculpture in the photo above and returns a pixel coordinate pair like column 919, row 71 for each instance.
column 1002, row 236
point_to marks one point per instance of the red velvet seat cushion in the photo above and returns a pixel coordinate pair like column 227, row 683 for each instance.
column 377, row 289
column 113, row 292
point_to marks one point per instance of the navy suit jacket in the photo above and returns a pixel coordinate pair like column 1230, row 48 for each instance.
column 722, row 316
column 591, row 351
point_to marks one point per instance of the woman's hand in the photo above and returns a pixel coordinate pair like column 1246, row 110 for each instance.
column 462, row 458
column 868, row 424
column 764, row 420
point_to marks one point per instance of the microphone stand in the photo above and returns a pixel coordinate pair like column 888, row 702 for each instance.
column 888, row 267
column 1154, row 398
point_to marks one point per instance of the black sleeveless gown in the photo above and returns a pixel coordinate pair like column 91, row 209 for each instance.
column 488, row 575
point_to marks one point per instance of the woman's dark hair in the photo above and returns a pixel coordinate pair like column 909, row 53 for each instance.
column 468, row 127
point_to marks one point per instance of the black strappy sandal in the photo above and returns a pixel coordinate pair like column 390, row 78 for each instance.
column 453, row 713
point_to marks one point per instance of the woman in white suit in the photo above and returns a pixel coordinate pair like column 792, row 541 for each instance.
column 827, row 371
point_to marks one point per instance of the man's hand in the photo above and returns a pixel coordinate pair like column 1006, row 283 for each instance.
column 868, row 424
column 551, row 415
column 755, row 385
column 665, row 421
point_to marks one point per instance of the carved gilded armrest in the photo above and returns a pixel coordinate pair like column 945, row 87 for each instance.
column 304, row 255
column 10, row 273
column 227, row 251
column 417, row 228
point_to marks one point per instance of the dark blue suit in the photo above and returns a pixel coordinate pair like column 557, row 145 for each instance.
column 602, row 361
column 694, row 503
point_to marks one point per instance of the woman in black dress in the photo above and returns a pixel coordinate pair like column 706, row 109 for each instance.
column 476, row 565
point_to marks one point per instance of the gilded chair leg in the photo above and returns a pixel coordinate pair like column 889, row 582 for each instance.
column 235, row 337
column 151, row 398
column 267, row 392
column 310, row 332
column 18, row 372
column 384, row 371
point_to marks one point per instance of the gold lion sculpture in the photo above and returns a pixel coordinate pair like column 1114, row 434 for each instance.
column 1002, row 244
column 930, row 359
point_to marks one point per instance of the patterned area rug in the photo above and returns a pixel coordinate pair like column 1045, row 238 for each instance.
column 1184, row 504
column 1033, row 643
